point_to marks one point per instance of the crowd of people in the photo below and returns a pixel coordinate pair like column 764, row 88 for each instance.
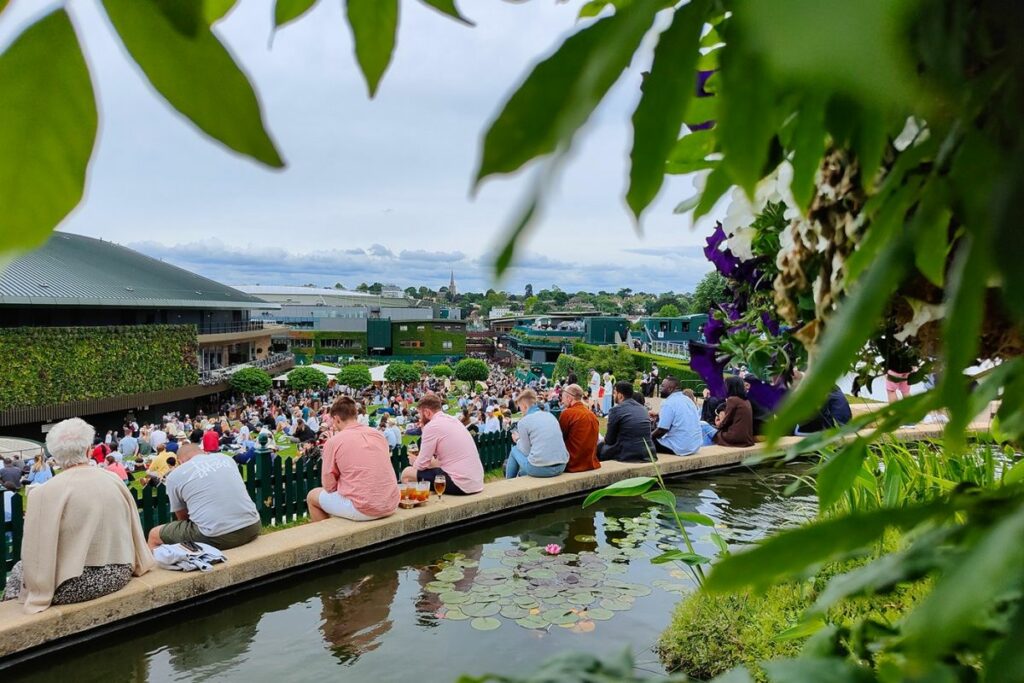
column 82, row 533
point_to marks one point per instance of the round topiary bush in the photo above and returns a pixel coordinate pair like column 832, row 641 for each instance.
column 356, row 376
column 251, row 381
column 306, row 378
column 472, row 370
column 442, row 370
column 402, row 373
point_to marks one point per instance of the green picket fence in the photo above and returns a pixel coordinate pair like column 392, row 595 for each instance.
column 278, row 487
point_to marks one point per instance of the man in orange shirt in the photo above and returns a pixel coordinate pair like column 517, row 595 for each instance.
column 579, row 430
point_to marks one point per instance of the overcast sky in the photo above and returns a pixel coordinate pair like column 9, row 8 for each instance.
column 373, row 189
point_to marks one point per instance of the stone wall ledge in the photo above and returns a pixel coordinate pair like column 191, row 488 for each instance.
column 332, row 540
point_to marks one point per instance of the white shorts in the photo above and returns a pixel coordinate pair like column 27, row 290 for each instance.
column 337, row 505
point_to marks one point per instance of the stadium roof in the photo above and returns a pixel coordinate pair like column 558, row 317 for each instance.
column 306, row 295
column 74, row 270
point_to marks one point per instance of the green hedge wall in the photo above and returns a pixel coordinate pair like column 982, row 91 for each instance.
column 47, row 365
column 432, row 340
column 608, row 358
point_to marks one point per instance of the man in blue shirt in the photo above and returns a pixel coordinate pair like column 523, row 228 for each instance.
column 678, row 431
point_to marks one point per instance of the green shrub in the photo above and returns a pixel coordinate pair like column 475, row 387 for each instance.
column 711, row 634
column 442, row 370
column 472, row 370
column 355, row 376
column 306, row 378
column 47, row 365
column 251, row 381
column 402, row 373
column 567, row 361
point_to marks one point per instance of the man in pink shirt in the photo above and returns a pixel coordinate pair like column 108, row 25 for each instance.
column 447, row 448
column 358, row 481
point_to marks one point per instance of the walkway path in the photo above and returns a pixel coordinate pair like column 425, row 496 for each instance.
column 288, row 549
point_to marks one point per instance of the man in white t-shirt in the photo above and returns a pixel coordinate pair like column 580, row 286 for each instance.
column 158, row 436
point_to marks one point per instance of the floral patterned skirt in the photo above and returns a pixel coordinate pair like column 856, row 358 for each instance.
column 95, row 582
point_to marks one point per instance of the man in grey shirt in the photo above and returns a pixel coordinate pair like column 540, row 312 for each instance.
column 628, row 437
column 209, row 499
column 128, row 447
column 539, row 450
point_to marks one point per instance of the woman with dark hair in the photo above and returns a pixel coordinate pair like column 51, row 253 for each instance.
column 734, row 425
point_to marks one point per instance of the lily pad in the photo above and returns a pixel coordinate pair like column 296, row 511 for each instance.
column 455, row 614
column 615, row 605
column 439, row 587
column 533, row 622
column 584, row 627
column 597, row 614
column 481, row 609
column 541, row 574
column 524, row 601
column 584, row 538
column 451, row 557
column 485, row 623
column 560, row 616
column 513, row 612
column 454, row 598
column 545, row 592
column 450, row 575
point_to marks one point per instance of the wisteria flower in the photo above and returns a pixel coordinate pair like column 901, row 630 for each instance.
column 705, row 362
column 766, row 395
column 553, row 549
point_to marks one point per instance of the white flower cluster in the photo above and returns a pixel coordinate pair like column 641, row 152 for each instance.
column 742, row 212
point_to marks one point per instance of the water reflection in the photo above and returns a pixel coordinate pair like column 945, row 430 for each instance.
column 356, row 616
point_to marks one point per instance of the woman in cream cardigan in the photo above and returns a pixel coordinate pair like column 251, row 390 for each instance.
column 83, row 538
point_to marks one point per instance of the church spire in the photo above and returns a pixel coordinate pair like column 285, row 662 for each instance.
column 451, row 287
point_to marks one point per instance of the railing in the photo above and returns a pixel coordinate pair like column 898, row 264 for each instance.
column 211, row 377
column 278, row 487
column 671, row 349
column 540, row 332
column 226, row 328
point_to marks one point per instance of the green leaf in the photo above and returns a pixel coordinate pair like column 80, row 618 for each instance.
column 746, row 118
column 820, row 45
column 1008, row 235
column 968, row 590
column 802, row 629
column 808, row 148
column 691, row 559
column 839, row 472
column 790, row 552
column 1007, row 659
column 290, row 10
column 661, row 497
column 48, row 131
column 1015, row 474
column 665, row 94
column 513, row 234
column 214, row 10
column 717, row 184
column 846, row 333
column 737, row 675
column 633, row 486
column 869, row 142
column 931, row 228
column 886, row 225
column 374, row 24
column 561, row 92
column 448, row 7
column 815, row 670
column 689, row 152
column 696, row 518
column 197, row 76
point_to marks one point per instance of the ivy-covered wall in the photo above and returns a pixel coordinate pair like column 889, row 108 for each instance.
column 433, row 340
column 46, row 365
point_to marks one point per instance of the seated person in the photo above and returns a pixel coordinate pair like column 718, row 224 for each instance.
column 209, row 500
column 447, row 448
column 709, row 408
column 211, row 441
column 678, row 431
column 579, row 431
column 628, row 437
column 834, row 413
column 161, row 464
column 539, row 450
column 358, row 481
column 83, row 538
column 247, row 453
column 734, row 425
column 117, row 468
column 302, row 431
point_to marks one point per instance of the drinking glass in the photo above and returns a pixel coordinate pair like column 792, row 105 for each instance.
column 423, row 490
column 439, row 484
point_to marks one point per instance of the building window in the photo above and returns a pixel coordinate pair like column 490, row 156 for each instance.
column 411, row 344
column 686, row 326
column 403, row 328
column 447, row 344
column 338, row 343
column 420, row 328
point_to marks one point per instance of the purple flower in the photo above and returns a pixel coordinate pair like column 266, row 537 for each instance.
column 727, row 263
column 766, row 395
column 714, row 329
column 705, row 362
column 702, row 80
column 770, row 324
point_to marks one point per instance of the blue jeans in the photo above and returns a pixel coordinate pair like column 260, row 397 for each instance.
column 708, row 431
column 519, row 466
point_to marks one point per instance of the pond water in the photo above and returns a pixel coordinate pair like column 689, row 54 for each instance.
column 490, row 600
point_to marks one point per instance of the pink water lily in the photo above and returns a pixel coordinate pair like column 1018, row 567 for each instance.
column 553, row 549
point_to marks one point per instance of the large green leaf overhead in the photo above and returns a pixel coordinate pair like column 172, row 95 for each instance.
column 374, row 24
column 47, row 134
column 290, row 10
column 196, row 75
column 562, row 91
